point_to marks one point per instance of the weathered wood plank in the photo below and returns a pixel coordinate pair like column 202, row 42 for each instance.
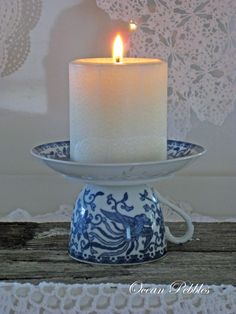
column 207, row 268
column 28, row 255
column 208, row 237
column 31, row 252
column 33, row 235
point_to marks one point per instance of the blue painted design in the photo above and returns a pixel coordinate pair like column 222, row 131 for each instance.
column 89, row 198
column 56, row 150
column 130, row 228
column 176, row 149
column 83, row 220
column 61, row 150
column 152, row 206
column 111, row 235
column 122, row 203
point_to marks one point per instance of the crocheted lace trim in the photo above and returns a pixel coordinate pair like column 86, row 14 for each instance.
column 54, row 298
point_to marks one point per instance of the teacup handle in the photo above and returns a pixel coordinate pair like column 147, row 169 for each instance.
column 190, row 228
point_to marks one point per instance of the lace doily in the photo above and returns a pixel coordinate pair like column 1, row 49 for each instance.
column 49, row 298
column 198, row 38
column 17, row 19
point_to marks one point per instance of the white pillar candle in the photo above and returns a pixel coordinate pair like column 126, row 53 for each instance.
column 118, row 110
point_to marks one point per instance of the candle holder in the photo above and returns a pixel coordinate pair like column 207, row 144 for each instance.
column 117, row 218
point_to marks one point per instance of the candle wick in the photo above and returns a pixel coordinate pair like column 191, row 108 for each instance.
column 117, row 59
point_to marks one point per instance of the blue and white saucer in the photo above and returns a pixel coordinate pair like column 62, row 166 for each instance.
column 56, row 155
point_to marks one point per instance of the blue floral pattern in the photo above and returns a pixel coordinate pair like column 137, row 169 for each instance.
column 111, row 235
column 61, row 150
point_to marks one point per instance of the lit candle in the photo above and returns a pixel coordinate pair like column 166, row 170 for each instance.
column 118, row 109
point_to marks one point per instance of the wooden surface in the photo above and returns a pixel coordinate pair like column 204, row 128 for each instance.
column 31, row 252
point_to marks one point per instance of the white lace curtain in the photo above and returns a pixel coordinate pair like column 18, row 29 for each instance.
column 198, row 38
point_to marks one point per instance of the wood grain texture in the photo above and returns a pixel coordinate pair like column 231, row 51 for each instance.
column 31, row 252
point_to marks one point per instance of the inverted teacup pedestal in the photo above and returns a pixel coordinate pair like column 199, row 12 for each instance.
column 117, row 218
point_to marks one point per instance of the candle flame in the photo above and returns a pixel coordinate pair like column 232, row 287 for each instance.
column 118, row 49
